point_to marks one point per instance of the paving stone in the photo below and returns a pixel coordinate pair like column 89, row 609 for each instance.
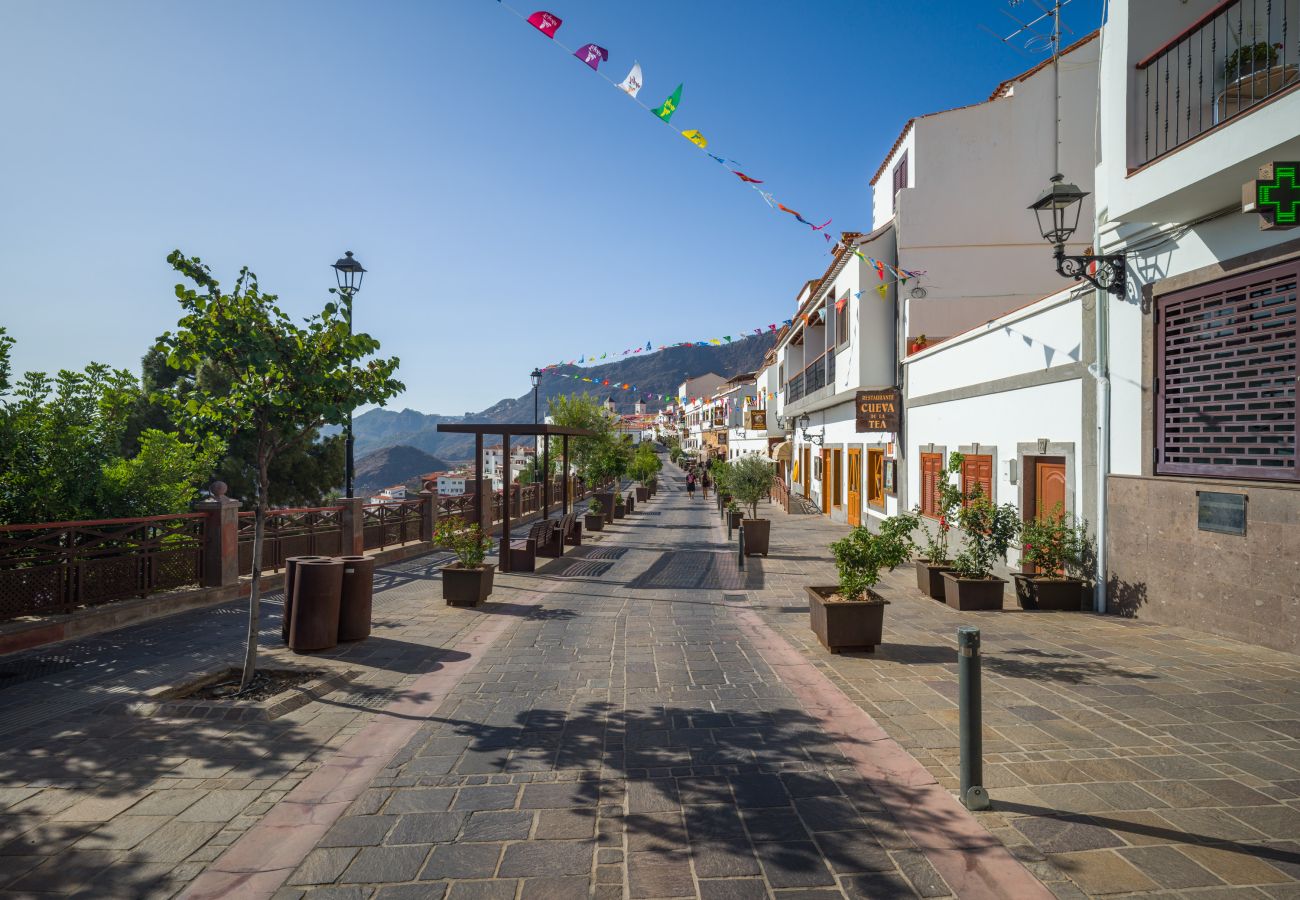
column 724, row 858
column 733, row 889
column 424, row 891
column 217, row 806
column 1062, row 835
column 535, row 858
column 175, row 841
column 358, row 831
column 501, row 889
column 1235, row 865
column 1167, row 867
column 849, row 852
column 555, row 824
column 379, row 864
column 324, row 866
column 495, row 826
column 425, row 828
column 660, row 874
column 555, row 888
column 1103, row 872
column 793, row 864
column 449, row 861
column 486, row 797
column 419, row 800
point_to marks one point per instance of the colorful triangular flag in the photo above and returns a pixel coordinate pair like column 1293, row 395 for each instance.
column 632, row 83
column 593, row 55
column 695, row 138
column 546, row 23
column 666, row 109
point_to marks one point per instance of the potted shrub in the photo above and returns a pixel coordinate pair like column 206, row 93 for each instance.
column 750, row 480
column 850, row 615
column 1249, row 59
column 1057, row 546
column 604, row 501
column 720, row 472
column 467, row 581
column 594, row 520
column 645, row 464
column 620, row 505
column 935, row 558
column 987, row 533
column 734, row 515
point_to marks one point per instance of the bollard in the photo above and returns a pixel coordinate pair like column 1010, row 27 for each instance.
column 740, row 543
column 973, row 795
column 728, row 528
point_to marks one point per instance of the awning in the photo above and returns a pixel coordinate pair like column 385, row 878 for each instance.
column 782, row 451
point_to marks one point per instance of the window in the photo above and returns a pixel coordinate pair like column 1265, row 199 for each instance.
column 1226, row 377
column 931, row 472
column 977, row 470
column 900, row 180
column 842, row 319
column 876, row 477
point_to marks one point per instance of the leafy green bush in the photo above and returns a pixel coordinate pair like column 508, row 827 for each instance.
column 1058, row 544
column 949, row 500
column 987, row 533
column 464, row 539
column 860, row 556
column 749, row 479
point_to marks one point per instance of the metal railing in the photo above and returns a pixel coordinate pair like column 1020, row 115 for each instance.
column 56, row 567
column 815, row 376
column 1228, row 61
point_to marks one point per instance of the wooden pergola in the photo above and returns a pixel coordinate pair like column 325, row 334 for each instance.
column 508, row 432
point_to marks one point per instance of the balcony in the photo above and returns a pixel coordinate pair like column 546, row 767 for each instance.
column 1235, row 57
column 815, row 376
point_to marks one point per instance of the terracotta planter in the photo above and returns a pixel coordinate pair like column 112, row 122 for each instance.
column 594, row 521
column 736, row 518
column 758, row 533
column 1039, row 592
column 466, row 587
column 929, row 579
column 845, row 625
column 642, row 493
column 972, row 594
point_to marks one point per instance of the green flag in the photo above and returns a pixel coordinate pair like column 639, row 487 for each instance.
column 665, row 111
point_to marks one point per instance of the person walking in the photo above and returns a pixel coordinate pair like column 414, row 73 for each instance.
column 705, row 481
column 690, row 484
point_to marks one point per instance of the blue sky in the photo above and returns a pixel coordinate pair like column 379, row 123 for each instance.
column 513, row 209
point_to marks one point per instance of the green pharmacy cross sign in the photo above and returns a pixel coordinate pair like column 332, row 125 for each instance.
column 1277, row 195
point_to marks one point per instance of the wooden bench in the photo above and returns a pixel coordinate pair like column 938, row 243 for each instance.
column 523, row 553
column 571, row 526
column 550, row 539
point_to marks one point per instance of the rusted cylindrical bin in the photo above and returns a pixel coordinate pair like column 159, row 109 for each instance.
column 290, row 569
column 356, row 597
column 317, row 585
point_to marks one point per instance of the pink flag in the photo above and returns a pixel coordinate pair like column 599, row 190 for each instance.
column 546, row 23
column 593, row 55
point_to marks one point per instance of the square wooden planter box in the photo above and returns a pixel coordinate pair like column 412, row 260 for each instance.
column 972, row 594
column 1059, row 594
column 594, row 521
column 642, row 494
column 466, row 587
column 842, row 625
column 929, row 579
column 758, row 534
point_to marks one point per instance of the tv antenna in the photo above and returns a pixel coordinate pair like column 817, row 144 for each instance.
column 1039, row 34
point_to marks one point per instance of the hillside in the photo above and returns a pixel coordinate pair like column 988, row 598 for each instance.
column 656, row 374
column 393, row 465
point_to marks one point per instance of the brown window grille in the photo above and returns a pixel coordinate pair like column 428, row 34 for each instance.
column 1226, row 377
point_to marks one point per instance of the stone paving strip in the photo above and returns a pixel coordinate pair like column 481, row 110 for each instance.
column 1122, row 757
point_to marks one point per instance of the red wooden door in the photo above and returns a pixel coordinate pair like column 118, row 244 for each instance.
column 1049, row 489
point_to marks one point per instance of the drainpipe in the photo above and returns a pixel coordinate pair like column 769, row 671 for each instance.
column 1101, row 372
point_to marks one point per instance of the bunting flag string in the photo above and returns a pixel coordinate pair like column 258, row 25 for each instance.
column 593, row 55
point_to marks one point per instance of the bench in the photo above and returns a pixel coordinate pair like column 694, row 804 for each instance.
column 523, row 553
column 571, row 527
column 550, row 539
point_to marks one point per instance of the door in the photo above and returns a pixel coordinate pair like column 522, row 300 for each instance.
column 1049, row 489
column 826, row 482
column 876, row 478
column 855, row 487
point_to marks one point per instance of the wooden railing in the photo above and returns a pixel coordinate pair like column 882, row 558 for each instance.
column 307, row 531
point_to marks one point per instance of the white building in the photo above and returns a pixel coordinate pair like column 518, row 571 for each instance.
column 452, row 484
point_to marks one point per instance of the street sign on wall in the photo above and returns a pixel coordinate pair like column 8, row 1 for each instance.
column 879, row 409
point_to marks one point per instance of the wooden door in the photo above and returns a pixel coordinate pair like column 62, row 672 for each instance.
column 876, row 477
column 1049, row 489
column 855, row 487
column 826, row 482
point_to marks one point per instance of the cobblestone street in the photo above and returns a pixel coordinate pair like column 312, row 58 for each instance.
column 644, row 719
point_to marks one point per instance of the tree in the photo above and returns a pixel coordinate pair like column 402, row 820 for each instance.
column 260, row 377
column 750, row 479
column 161, row 477
column 591, row 455
column 645, row 463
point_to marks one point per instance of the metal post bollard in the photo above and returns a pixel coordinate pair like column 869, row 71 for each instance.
column 741, row 544
column 728, row 528
column 973, row 795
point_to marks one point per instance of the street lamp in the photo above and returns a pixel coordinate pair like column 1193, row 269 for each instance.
column 349, row 272
column 1057, row 211
column 810, row 438
column 536, row 377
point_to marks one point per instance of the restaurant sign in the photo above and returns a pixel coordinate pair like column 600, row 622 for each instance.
column 756, row 420
column 879, row 410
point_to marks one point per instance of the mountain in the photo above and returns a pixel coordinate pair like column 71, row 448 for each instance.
column 394, row 465
column 654, row 375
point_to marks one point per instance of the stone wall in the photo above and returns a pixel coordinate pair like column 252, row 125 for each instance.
column 1161, row 568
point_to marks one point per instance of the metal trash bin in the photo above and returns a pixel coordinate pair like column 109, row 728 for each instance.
column 290, row 569
column 317, row 585
column 356, row 598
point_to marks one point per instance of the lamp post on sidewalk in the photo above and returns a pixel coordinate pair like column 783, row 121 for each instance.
column 349, row 272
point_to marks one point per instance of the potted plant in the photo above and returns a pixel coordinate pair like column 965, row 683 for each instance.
column 620, row 505
column 1249, row 59
column 850, row 615
column 750, row 480
column 1057, row 546
column 720, row 472
column 987, row 533
column 467, row 581
column 645, row 463
column 935, row 559
column 594, row 520
column 734, row 515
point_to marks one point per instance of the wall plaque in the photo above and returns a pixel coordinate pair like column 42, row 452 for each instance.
column 1221, row 512
column 878, row 410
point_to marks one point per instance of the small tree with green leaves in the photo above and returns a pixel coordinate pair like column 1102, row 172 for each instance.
column 465, row 539
column 948, row 500
column 987, row 533
column 645, row 463
column 749, row 479
column 720, row 472
column 1057, row 544
column 860, row 556
column 260, row 374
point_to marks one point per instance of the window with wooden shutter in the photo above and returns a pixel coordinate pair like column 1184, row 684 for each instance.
column 842, row 319
column 900, row 178
column 977, row 469
column 1226, row 377
column 876, row 477
column 931, row 470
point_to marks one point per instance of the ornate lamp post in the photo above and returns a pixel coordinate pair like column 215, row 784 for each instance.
column 1057, row 211
column 349, row 272
column 817, row 439
column 536, row 377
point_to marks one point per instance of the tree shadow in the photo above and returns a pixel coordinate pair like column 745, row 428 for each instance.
column 1125, row 598
column 702, row 569
column 1070, row 668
